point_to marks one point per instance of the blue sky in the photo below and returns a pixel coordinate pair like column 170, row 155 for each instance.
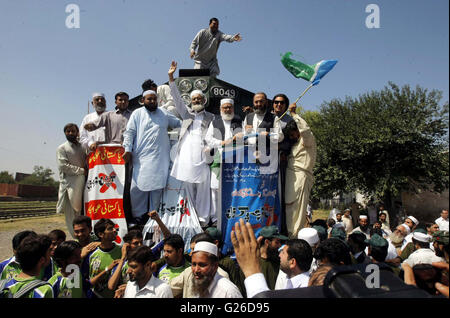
column 48, row 72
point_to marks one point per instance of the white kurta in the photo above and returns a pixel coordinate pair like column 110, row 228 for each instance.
column 71, row 159
column 190, row 163
column 276, row 134
column 146, row 137
column 155, row 288
column 443, row 224
column 165, row 99
column 217, row 144
column 87, row 138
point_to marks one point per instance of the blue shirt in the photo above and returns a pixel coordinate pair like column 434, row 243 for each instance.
column 147, row 138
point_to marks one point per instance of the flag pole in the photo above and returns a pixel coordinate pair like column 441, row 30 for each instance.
column 304, row 92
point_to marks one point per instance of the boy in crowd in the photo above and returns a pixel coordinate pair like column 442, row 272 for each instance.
column 11, row 267
column 98, row 264
column 67, row 282
column 33, row 255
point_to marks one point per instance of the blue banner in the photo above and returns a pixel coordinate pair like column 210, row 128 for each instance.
column 247, row 193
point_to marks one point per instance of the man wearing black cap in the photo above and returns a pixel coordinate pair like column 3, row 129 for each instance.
column 270, row 260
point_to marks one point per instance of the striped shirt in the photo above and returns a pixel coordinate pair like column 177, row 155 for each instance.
column 9, row 268
column 62, row 286
column 16, row 284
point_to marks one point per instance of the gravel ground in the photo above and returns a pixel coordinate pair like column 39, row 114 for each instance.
column 41, row 225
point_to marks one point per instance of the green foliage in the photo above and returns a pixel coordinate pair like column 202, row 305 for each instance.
column 41, row 176
column 382, row 142
column 5, row 177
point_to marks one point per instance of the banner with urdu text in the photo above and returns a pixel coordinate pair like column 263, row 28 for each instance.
column 103, row 194
column 247, row 192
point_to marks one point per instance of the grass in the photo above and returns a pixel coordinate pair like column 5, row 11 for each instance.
column 320, row 214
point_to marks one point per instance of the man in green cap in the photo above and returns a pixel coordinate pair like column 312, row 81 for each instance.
column 270, row 260
column 441, row 248
column 378, row 251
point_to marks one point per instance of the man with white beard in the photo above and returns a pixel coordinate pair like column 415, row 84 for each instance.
column 396, row 240
column 90, row 139
column 190, row 164
column 222, row 131
column 202, row 279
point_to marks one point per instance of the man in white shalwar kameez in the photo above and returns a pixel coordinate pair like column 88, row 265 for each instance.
column 90, row 139
column 147, row 145
column 222, row 131
column 190, row 164
column 71, row 159
column 299, row 174
column 207, row 43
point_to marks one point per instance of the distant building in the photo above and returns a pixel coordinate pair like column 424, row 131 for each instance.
column 20, row 176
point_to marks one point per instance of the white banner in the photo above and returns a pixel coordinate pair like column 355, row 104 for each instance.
column 103, row 194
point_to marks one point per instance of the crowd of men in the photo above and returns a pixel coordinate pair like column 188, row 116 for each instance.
column 94, row 266
column 297, row 255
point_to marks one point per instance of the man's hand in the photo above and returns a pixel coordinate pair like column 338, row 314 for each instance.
column 246, row 248
column 89, row 127
column 292, row 107
column 442, row 289
column 89, row 248
column 172, row 69
column 93, row 146
column 127, row 157
column 441, row 265
column 154, row 215
column 120, row 291
column 237, row 37
column 112, row 265
column 247, row 109
column 192, row 54
column 125, row 249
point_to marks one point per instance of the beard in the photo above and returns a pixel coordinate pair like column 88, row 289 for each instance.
column 99, row 108
column 364, row 228
column 396, row 239
column 273, row 255
column 198, row 107
column 151, row 107
column 226, row 116
column 260, row 111
column 73, row 139
column 201, row 285
column 439, row 252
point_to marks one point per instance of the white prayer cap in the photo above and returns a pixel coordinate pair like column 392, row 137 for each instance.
column 422, row 237
column 408, row 230
column 197, row 92
column 206, row 247
column 226, row 101
column 416, row 222
column 310, row 235
column 149, row 92
column 363, row 217
column 98, row 95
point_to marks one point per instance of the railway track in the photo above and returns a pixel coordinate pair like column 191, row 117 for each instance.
column 26, row 209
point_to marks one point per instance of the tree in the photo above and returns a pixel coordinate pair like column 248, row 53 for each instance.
column 382, row 142
column 40, row 176
column 5, row 177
